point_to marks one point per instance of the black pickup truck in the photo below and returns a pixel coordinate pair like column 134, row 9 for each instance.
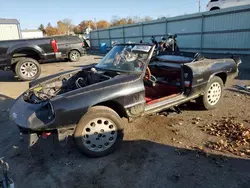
column 23, row 56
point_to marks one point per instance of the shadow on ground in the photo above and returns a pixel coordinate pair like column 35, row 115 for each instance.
column 138, row 163
column 8, row 76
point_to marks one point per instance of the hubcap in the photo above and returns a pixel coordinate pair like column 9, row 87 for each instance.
column 99, row 134
column 28, row 69
column 214, row 93
column 74, row 56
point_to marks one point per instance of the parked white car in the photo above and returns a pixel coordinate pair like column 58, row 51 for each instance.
column 220, row 4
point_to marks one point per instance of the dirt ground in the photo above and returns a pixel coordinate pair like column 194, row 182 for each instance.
column 157, row 151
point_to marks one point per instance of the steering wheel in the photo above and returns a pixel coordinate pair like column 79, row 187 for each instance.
column 149, row 77
column 147, row 74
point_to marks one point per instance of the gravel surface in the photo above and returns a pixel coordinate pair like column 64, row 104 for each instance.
column 158, row 150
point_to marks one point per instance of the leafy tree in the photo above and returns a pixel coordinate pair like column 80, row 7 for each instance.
column 65, row 26
column 116, row 21
column 130, row 21
column 81, row 28
column 51, row 30
column 102, row 24
column 77, row 30
column 41, row 28
column 61, row 27
column 146, row 19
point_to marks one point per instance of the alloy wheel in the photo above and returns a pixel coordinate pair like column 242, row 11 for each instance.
column 28, row 69
column 214, row 93
column 99, row 134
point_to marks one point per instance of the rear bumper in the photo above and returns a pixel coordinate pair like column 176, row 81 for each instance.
column 82, row 51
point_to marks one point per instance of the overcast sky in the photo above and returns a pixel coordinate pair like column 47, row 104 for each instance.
column 31, row 13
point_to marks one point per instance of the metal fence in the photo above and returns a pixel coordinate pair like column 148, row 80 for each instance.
column 220, row 31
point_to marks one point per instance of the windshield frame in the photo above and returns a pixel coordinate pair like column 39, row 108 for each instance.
column 150, row 53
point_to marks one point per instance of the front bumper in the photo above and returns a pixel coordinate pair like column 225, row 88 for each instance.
column 31, row 117
column 29, row 139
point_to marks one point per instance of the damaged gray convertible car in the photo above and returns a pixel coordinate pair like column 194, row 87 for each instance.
column 130, row 81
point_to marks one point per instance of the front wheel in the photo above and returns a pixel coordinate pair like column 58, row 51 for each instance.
column 99, row 132
column 213, row 94
column 74, row 56
column 28, row 69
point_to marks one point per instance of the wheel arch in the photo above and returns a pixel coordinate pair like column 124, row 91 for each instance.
column 72, row 50
column 116, row 106
column 215, row 8
column 25, row 52
column 221, row 75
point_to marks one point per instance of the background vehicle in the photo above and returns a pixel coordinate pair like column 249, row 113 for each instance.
column 23, row 56
column 220, row 4
column 169, row 44
column 128, row 82
column 71, row 47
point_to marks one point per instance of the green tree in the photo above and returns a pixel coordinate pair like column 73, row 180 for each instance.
column 41, row 28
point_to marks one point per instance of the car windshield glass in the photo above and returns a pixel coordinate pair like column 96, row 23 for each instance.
column 126, row 58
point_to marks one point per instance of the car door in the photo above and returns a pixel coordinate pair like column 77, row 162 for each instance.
column 73, row 42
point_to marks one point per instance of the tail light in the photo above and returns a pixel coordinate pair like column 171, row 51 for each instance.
column 83, row 44
column 54, row 45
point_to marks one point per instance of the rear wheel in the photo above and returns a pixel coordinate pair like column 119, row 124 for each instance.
column 213, row 94
column 28, row 69
column 74, row 55
column 99, row 132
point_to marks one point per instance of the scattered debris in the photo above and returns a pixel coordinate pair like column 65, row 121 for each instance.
column 246, row 120
column 246, row 87
column 175, row 131
column 235, row 137
column 195, row 122
column 197, row 119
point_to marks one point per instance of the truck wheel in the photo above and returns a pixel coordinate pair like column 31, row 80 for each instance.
column 213, row 94
column 74, row 55
column 28, row 69
column 99, row 132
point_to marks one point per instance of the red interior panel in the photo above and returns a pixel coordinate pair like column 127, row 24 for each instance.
column 159, row 91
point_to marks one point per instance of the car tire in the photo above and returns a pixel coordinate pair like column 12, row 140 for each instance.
column 28, row 69
column 74, row 56
column 99, row 132
column 213, row 94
